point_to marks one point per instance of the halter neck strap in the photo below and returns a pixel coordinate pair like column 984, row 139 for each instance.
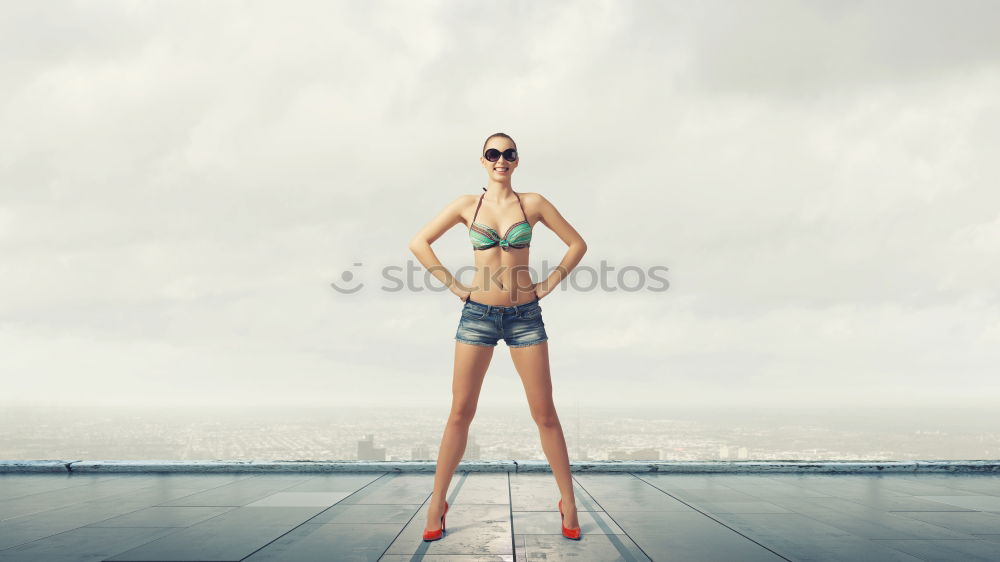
column 477, row 206
column 520, row 204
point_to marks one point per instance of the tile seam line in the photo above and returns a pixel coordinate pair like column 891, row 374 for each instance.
column 510, row 503
column 403, row 526
column 109, row 496
column 661, row 490
column 608, row 515
column 423, row 546
column 269, row 543
column 2, row 518
column 177, row 529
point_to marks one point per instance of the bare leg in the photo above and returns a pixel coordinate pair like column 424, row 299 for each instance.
column 471, row 363
column 532, row 364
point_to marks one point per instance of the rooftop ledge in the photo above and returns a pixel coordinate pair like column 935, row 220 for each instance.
column 282, row 466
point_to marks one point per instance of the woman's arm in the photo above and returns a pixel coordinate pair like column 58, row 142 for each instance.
column 420, row 245
column 565, row 231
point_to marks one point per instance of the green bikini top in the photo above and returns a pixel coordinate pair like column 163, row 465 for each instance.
column 484, row 237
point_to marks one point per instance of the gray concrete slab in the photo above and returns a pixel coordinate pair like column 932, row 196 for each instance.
column 481, row 488
column 602, row 547
column 539, row 492
column 968, row 522
column 391, row 489
column 27, row 484
column 162, row 517
column 448, row 558
column 611, row 492
column 499, row 516
column 397, row 514
column 751, row 506
column 86, row 544
column 335, row 482
column 869, row 523
column 947, row 550
column 325, row 543
column 274, row 515
column 799, row 537
column 549, row 523
column 240, row 492
column 977, row 502
column 470, row 529
column 207, row 542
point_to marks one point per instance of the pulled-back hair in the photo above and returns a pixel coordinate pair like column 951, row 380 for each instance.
column 505, row 135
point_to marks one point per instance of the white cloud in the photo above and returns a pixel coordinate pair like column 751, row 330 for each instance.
column 180, row 183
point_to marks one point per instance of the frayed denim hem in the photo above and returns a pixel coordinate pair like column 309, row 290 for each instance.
column 476, row 343
column 527, row 344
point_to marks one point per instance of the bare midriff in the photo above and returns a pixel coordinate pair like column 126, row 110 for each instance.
column 502, row 277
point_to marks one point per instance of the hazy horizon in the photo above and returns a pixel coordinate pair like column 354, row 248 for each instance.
column 266, row 432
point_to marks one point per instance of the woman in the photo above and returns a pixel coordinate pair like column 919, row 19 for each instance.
column 502, row 303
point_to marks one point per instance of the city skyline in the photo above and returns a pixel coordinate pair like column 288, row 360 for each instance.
column 498, row 434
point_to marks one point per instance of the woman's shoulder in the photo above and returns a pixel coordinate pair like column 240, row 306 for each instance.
column 464, row 204
column 532, row 198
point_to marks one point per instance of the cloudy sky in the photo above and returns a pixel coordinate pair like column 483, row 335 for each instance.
column 180, row 183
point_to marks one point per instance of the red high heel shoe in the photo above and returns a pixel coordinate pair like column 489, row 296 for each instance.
column 568, row 533
column 437, row 533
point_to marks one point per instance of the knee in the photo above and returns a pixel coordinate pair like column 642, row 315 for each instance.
column 461, row 416
column 545, row 419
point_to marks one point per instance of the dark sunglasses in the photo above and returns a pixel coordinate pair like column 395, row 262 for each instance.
column 493, row 154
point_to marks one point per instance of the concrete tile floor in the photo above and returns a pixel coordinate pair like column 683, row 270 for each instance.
column 499, row 516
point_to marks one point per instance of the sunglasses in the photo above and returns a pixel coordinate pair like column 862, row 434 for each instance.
column 493, row 154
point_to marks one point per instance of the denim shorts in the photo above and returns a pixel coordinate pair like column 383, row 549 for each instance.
column 485, row 324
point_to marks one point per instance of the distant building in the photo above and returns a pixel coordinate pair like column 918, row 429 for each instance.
column 420, row 453
column 367, row 450
column 724, row 452
column 637, row 455
column 648, row 454
column 471, row 449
